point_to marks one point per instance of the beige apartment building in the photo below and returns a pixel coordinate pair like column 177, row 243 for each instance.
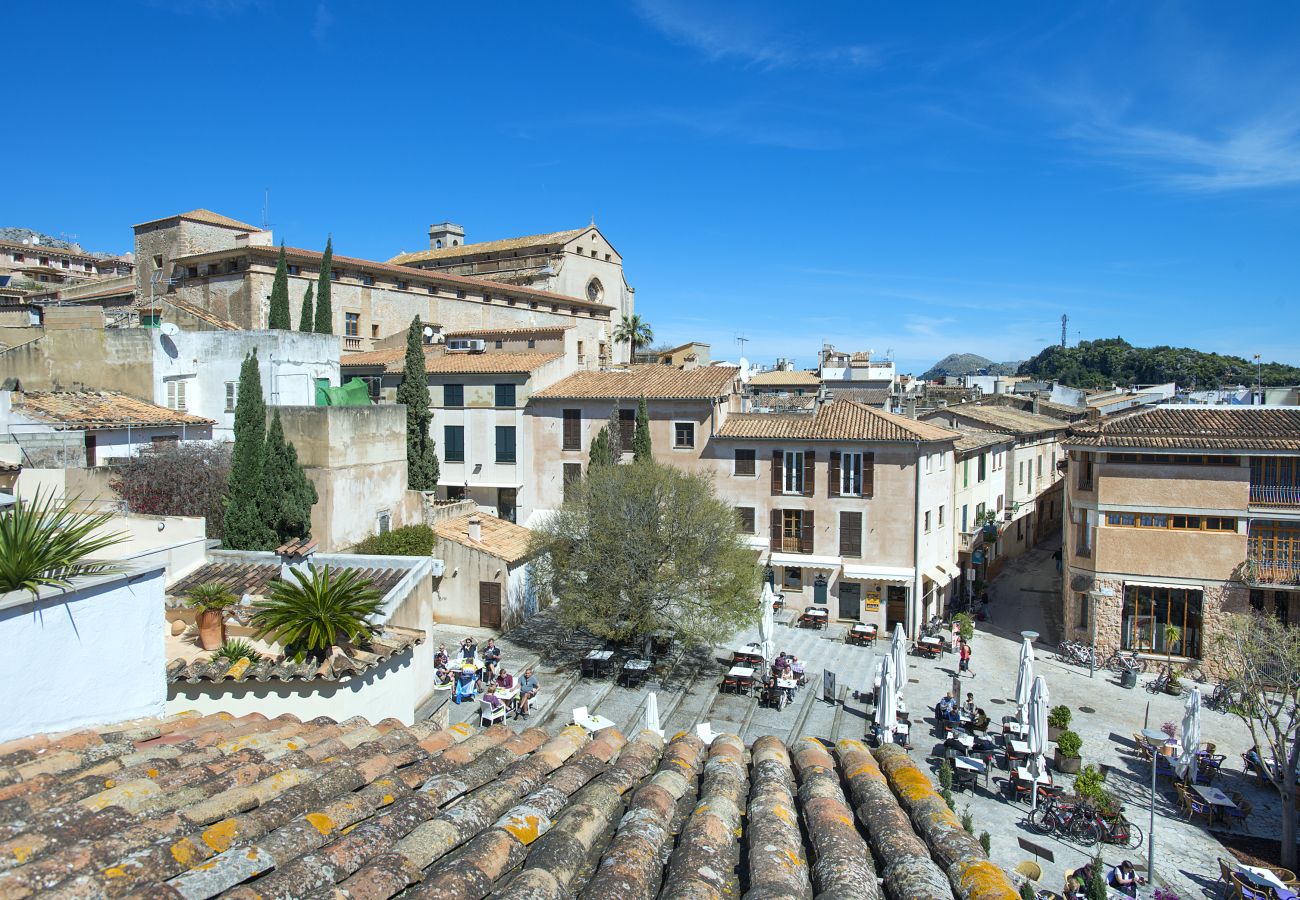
column 1179, row 516
column 37, row 265
column 979, row 483
column 847, row 506
column 227, row 267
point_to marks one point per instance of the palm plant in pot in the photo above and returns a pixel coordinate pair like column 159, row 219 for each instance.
column 1172, row 636
column 1058, row 719
column 1067, row 758
column 314, row 613
column 212, row 601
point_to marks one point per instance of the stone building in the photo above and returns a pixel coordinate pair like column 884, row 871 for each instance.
column 577, row 263
column 38, row 266
column 1178, row 516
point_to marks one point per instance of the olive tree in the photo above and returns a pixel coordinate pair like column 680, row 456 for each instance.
column 645, row 548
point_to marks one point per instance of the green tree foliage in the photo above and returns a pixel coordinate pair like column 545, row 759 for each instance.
column 245, row 522
column 314, row 612
column 1101, row 363
column 174, row 479
column 615, row 428
column 211, row 596
column 642, row 449
column 307, row 318
column 278, row 316
column 409, row 540
column 324, row 309
column 635, row 331
column 599, row 454
column 289, row 495
column 648, row 548
column 421, row 458
column 46, row 542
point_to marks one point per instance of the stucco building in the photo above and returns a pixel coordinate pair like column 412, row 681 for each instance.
column 1179, row 516
column 486, row 580
column 979, row 482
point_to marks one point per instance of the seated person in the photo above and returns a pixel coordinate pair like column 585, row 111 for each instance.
column 946, row 710
column 980, row 721
column 441, row 658
column 492, row 653
column 1123, row 879
column 492, row 700
column 527, row 691
column 1074, row 889
column 465, row 684
column 468, row 649
column 782, row 662
column 969, row 706
column 505, row 680
column 796, row 669
column 488, row 674
column 441, row 675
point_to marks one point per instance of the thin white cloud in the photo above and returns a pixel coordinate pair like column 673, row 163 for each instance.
column 739, row 32
column 322, row 23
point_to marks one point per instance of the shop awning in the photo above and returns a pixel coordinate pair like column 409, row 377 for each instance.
column 803, row 561
column 939, row 575
column 879, row 573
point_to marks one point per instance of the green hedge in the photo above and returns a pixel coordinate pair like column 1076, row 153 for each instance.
column 410, row 540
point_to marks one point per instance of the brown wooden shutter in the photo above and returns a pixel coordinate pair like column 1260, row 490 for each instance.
column 868, row 474
column 833, row 475
column 851, row 534
column 806, row 536
column 809, row 472
column 573, row 429
column 775, row 542
column 778, row 461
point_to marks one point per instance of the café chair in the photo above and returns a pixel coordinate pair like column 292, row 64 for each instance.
column 488, row 715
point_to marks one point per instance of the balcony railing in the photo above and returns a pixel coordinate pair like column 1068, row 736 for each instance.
column 1272, row 572
column 1275, row 494
column 351, row 343
column 966, row 540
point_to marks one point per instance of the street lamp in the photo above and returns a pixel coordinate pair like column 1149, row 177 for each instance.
column 1155, row 739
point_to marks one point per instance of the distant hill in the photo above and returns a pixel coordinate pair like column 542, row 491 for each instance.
column 968, row 364
column 1094, row 364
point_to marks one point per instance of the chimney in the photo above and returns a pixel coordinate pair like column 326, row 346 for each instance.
column 911, row 408
column 296, row 556
column 1035, row 407
column 476, row 529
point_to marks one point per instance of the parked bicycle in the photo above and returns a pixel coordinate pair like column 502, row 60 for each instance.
column 1220, row 699
column 1066, row 820
column 1076, row 653
column 1117, row 830
column 1121, row 662
column 1158, row 684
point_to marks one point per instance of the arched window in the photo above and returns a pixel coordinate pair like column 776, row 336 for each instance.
column 455, row 243
column 595, row 291
column 437, row 245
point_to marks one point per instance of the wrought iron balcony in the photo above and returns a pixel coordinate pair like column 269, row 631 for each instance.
column 1274, row 494
column 1272, row 572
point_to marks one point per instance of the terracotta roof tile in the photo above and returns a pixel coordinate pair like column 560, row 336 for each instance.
column 976, row 438
column 255, row 807
column 89, row 410
column 794, row 379
column 393, row 361
column 878, row 397
column 208, row 217
column 651, row 382
column 839, row 420
column 507, row 332
column 1002, row 418
column 516, row 243
column 255, row 578
column 499, row 538
column 1195, row 428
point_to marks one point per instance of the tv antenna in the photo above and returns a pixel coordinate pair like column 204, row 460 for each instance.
column 266, row 209
column 1065, row 322
column 742, row 341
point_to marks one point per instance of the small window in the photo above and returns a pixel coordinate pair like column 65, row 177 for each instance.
column 505, row 396
column 572, row 475
column 403, row 285
column 505, row 443
column 368, row 280
column 940, row 516
column 295, row 270
column 683, row 434
column 232, row 395
column 745, row 514
column 432, row 289
column 192, row 271
column 176, row 394
column 453, row 443
column 335, row 274
column 572, row 431
column 351, row 324
column 532, row 344
column 453, row 396
column 745, row 463
column 460, row 295
column 927, row 520
column 498, row 344
column 792, row 472
column 792, row 577
column 374, row 331
column 383, row 521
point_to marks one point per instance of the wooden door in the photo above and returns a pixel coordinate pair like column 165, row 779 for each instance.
column 895, row 606
column 489, row 604
column 850, row 600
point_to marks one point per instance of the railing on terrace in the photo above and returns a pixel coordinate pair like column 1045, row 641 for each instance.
column 966, row 539
column 1275, row 494
column 1272, row 572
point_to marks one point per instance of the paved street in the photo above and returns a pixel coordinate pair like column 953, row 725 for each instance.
column 1025, row 596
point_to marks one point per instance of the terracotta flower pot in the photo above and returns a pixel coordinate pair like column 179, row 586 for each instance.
column 212, row 629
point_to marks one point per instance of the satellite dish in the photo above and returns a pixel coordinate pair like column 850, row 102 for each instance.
column 169, row 329
column 428, row 332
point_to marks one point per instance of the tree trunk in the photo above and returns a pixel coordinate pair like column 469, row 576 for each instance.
column 1288, row 854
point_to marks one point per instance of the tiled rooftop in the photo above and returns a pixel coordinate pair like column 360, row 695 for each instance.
column 554, row 238
column 499, row 538
column 651, row 382
column 509, row 331
column 208, row 217
column 839, row 420
column 1003, row 418
column 255, row 578
column 977, row 439
column 794, row 379
column 393, row 361
column 388, row 642
column 90, row 410
column 1195, row 428
column 869, row 396
column 252, row 807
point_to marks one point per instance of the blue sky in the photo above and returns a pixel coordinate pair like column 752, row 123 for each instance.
column 924, row 179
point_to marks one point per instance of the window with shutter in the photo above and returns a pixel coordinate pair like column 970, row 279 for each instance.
column 745, row 463
column 809, row 473
column 868, row 474
column 833, row 475
column 851, row 534
column 745, row 515
column 793, row 471
column 778, row 477
column 774, row 525
column 626, row 428
column 807, row 536
column 572, row 429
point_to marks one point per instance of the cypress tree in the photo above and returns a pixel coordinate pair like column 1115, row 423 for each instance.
column 278, row 317
column 245, row 522
column 324, row 311
column 598, row 455
column 615, row 428
column 306, row 320
column 288, row 495
column 421, row 460
column 641, row 447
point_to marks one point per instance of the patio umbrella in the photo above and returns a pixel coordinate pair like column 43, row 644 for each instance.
column 1024, row 682
column 766, row 624
column 652, row 714
column 898, row 651
column 887, row 710
column 1037, row 739
column 1186, row 764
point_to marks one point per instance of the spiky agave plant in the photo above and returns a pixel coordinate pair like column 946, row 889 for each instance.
column 211, row 597
column 235, row 649
column 47, row 542
column 314, row 612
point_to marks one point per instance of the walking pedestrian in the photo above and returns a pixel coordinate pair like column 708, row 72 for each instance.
column 964, row 665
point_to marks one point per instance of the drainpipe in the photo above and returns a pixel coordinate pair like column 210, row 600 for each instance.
column 913, row 629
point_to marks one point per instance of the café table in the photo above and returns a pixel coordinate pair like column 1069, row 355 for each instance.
column 743, row 676
column 1021, row 773
column 967, row 741
column 931, row 646
column 1263, row 878
column 747, row 657
column 860, row 633
column 972, row 765
column 1220, row 802
column 595, row 723
column 509, row 694
column 1016, row 751
column 597, row 663
column 816, row 616
column 635, row 672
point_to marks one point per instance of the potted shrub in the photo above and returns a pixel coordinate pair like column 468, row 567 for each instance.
column 988, row 520
column 317, row 612
column 1058, row 719
column 965, row 626
column 212, row 601
column 1067, row 753
column 1174, row 686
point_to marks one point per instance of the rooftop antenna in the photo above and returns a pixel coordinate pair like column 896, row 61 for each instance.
column 742, row 341
column 266, row 209
column 1065, row 321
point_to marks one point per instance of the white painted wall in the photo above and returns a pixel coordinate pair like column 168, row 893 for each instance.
column 391, row 690
column 89, row 655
